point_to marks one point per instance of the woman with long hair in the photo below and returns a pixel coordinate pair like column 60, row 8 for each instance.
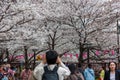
column 112, row 73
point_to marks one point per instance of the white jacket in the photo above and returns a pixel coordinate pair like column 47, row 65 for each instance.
column 63, row 71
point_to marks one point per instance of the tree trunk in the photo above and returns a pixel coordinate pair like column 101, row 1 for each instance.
column 26, row 57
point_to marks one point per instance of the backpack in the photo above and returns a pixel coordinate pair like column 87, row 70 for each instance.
column 50, row 74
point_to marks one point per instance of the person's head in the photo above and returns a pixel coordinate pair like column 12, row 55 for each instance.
column 51, row 57
column 112, row 66
column 89, row 65
column 79, row 65
column 12, row 68
column 27, row 68
column 72, row 68
column 102, row 68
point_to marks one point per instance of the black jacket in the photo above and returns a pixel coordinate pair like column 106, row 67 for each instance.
column 107, row 75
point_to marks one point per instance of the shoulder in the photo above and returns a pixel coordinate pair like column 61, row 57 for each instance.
column 61, row 68
column 79, row 74
column 102, row 71
column 40, row 69
column 90, row 69
column 72, row 76
column 107, row 72
column 38, row 72
column 63, row 71
column 23, row 71
column 30, row 72
column 86, row 70
column 118, row 72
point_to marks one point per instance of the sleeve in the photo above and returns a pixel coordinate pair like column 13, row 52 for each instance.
column 38, row 71
column 105, row 77
column 84, row 73
column 94, row 73
column 102, row 73
column 65, row 70
column 118, row 72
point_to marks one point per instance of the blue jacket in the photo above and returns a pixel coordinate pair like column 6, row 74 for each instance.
column 89, row 74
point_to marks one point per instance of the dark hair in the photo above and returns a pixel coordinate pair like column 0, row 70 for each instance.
column 103, row 67
column 0, row 66
column 51, row 57
column 72, row 68
column 79, row 65
column 89, row 65
column 12, row 67
column 110, row 63
column 27, row 68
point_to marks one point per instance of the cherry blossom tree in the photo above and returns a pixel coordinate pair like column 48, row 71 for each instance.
column 58, row 24
column 90, row 20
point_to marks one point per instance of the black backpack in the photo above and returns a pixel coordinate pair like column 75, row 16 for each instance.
column 50, row 74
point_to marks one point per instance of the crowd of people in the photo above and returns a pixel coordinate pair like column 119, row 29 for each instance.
column 7, row 72
column 52, row 68
column 73, row 71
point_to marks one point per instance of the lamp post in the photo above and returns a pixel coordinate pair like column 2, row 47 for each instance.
column 118, row 32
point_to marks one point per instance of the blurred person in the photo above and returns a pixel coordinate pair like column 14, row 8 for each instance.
column 26, row 74
column 80, row 68
column 102, row 73
column 112, row 73
column 9, row 71
column 5, row 75
column 1, row 72
column 75, row 74
column 89, row 73
column 51, row 63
